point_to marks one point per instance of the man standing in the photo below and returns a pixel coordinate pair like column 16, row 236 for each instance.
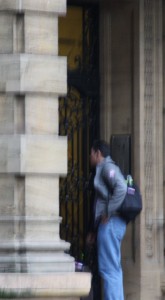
column 110, row 190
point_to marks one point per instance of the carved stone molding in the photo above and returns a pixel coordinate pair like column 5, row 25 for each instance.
column 151, row 12
column 148, row 119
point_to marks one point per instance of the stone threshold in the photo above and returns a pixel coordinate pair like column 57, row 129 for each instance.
column 51, row 285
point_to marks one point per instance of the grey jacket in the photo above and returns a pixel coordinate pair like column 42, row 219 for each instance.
column 110, row 188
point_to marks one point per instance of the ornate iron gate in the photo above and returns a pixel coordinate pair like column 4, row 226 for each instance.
column 79, row 120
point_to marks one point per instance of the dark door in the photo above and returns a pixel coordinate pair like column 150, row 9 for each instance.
column 79, row 120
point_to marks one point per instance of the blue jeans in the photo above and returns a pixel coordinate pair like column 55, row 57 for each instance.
column 109, row 240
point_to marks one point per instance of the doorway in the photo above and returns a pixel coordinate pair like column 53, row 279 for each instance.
column 79, row 121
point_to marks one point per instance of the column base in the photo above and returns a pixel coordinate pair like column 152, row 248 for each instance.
column 59, row 286
column 35, row 257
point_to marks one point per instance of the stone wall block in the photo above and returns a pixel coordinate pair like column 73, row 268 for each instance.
column 42, row 197
column 6, row 114
column 10, row 154
column 33, row 155
column 41, row 115
column 41, row 34
column 12, row 114
column 28, row 114
column 42, row 230
column 11, row 206
column 44, row 155
column 25, row 34
column 33, row 74
column 44, row 6
column 6, row 33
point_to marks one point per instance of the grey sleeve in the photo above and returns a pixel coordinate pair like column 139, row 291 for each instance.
column 117, row 186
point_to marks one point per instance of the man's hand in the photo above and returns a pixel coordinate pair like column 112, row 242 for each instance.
column 104, row 219
column 90, row 240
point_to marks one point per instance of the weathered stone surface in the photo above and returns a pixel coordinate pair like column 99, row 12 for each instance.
column 23, row 73
column 33, row 154
column 6, row 33
column 36, row 262
column 6, row 114
column 45, row 6
column 21, row 114
column 69, row 285
column 42, row 197
column 37, row 109
column 133, row 93
column 41, row 34
column 25, row 34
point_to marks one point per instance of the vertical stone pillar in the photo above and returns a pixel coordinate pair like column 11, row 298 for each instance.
column 148, row 149
column 32, row 154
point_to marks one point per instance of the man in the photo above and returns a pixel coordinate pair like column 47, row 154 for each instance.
column 110, row 190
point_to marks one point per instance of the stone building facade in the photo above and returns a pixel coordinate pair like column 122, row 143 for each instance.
column 33, row 156
column 33, row 258
column 135, row 95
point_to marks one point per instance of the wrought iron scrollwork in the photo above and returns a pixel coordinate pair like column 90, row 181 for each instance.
column 78, row 120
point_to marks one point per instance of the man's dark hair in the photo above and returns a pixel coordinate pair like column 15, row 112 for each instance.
column 102, row 146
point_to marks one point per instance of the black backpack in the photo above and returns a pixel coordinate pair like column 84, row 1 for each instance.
column 132, row 204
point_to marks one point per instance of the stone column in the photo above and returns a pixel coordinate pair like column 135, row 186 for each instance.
column 148, row 155
column 32, row 154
